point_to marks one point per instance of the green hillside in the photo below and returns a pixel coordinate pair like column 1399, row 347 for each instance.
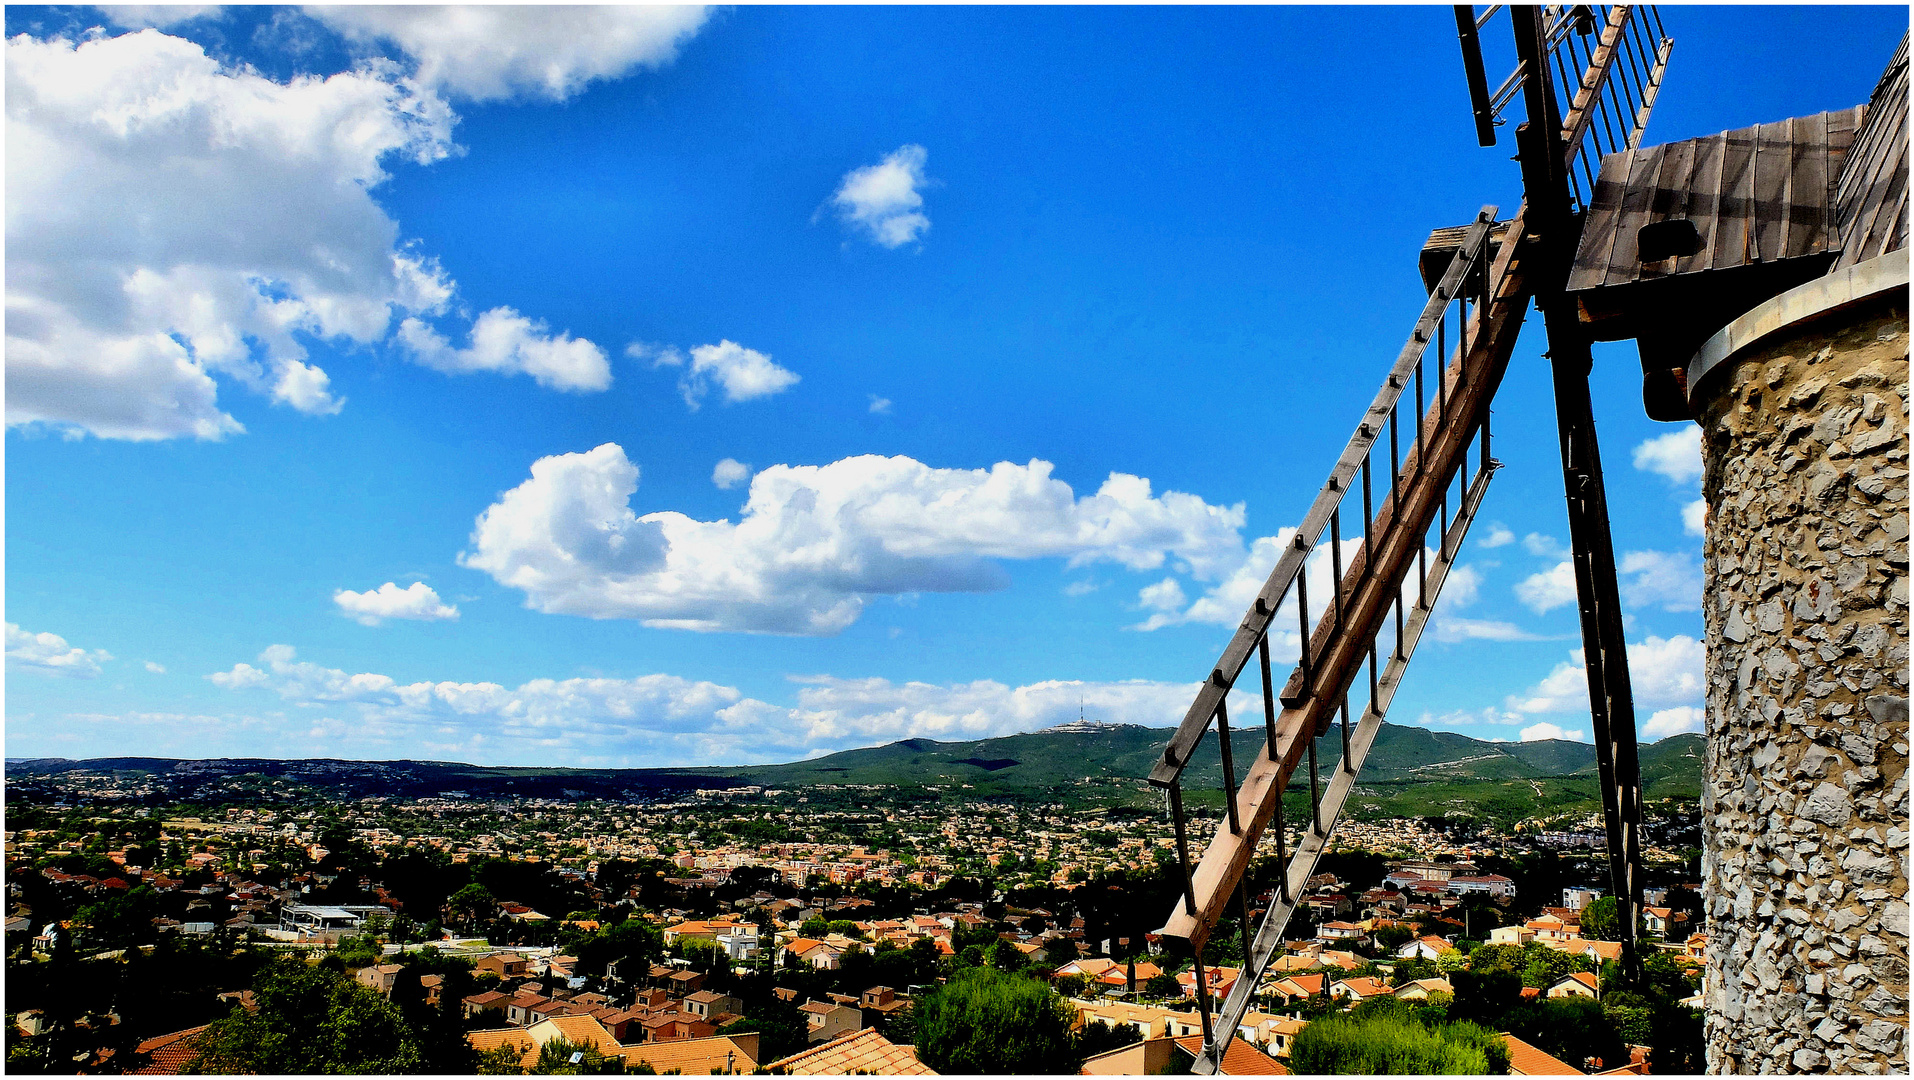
column 1411, row 771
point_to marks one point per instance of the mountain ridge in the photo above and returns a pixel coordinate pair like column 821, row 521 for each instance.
column 1410, row 771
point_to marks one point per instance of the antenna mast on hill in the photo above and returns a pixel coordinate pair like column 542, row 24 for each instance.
column 1411, row 463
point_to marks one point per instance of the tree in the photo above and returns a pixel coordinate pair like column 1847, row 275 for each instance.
column 472, row 903
column 312, row 1019
column 1163, row 985
column 1547, row 965
column 1097, row 1037
column 1390, row 938
column 1573, row 1028
column 1387, row 1041
column 1005, row 956
column 1602, row 920
column 1450, row 961
column 986, row 1021
column 1484, row 997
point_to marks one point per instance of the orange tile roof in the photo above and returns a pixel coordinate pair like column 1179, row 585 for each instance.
column 168, row 1053
column 694, row 1057
column 1239, row 1059
column 1527, row 1060
column 865, row 1051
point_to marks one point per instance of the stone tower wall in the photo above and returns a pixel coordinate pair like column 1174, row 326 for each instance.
column 1805, row 805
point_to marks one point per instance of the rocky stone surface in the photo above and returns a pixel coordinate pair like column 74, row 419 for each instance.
column 1805, row 804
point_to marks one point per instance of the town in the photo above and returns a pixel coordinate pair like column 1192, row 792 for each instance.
column 807, row 931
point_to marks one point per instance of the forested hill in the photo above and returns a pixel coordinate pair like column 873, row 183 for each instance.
column 1411, row 770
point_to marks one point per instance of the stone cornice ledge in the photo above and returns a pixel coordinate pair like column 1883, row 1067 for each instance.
column 1862, row 281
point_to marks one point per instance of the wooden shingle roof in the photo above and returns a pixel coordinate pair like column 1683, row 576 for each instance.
column 1755, row 195
column 1870, row 200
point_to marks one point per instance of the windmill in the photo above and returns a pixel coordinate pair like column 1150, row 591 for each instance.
column 1587, row 77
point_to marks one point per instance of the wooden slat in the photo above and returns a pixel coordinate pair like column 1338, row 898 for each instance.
column 1228, row 855
column 1669, row 200
column 1243, row 643
column 1807, row 213
column 1623, row 262
column 1604, row 211
column 1773, row 168
column 1302, row 863
column 1704, row 201
column 1734, row 200
column 1842, row 124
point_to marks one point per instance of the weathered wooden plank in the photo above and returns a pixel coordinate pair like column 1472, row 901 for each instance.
column 1604, row 212
column 1773, row 168
column 1807, row 210
column 1623, row 263
column 1668, row 200
column 1704, row 202
column 1734, row 201
column 1842, row 123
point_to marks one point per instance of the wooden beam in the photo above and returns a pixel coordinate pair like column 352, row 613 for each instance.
column 1227, row 858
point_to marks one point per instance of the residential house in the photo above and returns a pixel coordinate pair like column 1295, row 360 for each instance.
column 706, row 1004
column 879, row 1002
column 1356, row 991
column 1574, row 984
column 1294, row 988
column 1420, row 989
column 1337, row 930
column 1282, row 1035
column 378, row 977
column 1511, row 935
column 489, row 1001
column 827, row 1020
column 504, row 965
column 1163, row 1055
column 1664, row 922
column 1482, row 884
column 819, row 954
column 1427, row 947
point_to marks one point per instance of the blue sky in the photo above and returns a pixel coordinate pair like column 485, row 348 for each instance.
column 674, row 386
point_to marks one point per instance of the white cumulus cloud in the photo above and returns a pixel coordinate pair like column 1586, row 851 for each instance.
column 505, row 342
column 152, row 258
column 485, row 52
column 50, row 654
column 416, row 601
column 744, row 374
column 653, row 719
column 1497, row 536
column 149, row 248
column 1549, row 589
column 155, row 667
column 1675, row 456
column 1540, row 732
column 729, row 473
column 1694, row 517
column 1670, row 580
column 1450, row 628
column 1680, row 720
column 885, row 201
column 815, row 542
column 1662, row 672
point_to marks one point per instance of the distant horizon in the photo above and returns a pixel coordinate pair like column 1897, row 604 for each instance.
column 690, row 386
column 678, row 768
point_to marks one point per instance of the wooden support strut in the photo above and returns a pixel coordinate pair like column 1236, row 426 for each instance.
column 1397, row 544
column 1295, row 873
column 1288, row 568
